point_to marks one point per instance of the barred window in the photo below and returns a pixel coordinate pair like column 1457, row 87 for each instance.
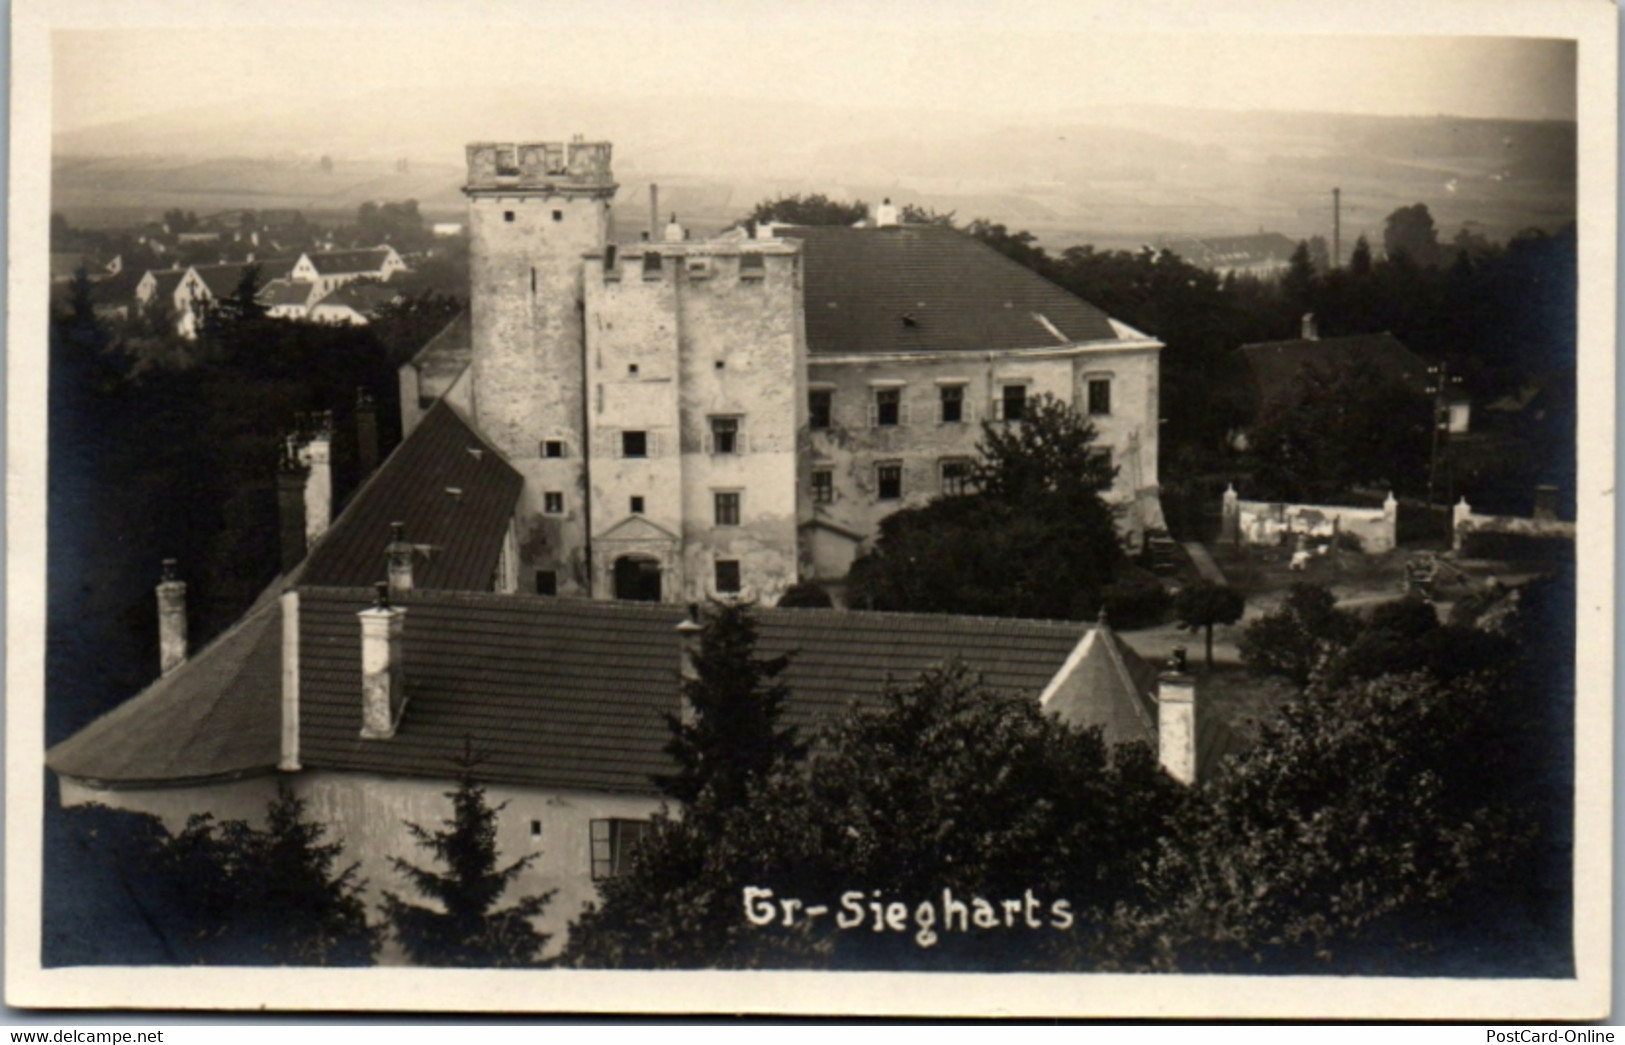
column 614, row 842
column 823, row 486
column 727, row 509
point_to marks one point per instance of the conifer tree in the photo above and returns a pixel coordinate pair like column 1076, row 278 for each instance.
column 464, row 929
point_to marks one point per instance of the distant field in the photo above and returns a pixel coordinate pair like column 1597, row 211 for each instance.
column 1220, row 195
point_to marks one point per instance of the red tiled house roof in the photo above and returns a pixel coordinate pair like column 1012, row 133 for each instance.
column 960, row 294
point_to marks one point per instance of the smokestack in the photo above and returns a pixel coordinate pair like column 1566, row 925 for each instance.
column 400, row 560
column 1337, row 228
column 290, row 496
column 1176, row 719
column 366, row 431
column 171, row 619
column 688, row 638
column 1310, row 333
column 654, row 210
column 318, row 457
column 383, row 676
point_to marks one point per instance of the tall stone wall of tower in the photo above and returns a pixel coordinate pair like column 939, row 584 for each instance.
column 534, row 210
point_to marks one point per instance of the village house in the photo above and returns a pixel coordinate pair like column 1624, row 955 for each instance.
column 354, row 303
column 330, row 270
column 358, row 691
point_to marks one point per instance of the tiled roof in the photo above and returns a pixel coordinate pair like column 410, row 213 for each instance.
column 362, row 297
column 166, row 281
column 571, row 694
column 221, row 280
column 285, row 292
column 1275, row 365
column 341, row 262
column 1110, row 686
column 456, row 496
column 957, row 294
column 218, row 714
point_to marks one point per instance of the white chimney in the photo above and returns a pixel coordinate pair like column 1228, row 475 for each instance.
column 1309, row 331
column 688, row 638
column 171, row 619
column 674, row 231
column 885, row 214
column 1176, row 719
column 400, row 560
column 317, row 455
column 383, row 677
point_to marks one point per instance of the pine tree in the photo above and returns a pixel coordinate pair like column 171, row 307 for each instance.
column 465, row 930
column 733, row 736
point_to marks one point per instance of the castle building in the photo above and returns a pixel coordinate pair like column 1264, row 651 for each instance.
column 727, row 416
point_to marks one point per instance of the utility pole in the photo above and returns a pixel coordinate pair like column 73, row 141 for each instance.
column 1337, row 228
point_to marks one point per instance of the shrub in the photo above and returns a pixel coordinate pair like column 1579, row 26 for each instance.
column 806, row 595
column 1136, row 599
column 1488, row 544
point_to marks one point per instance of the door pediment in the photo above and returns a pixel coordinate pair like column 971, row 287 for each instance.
column 636, row 528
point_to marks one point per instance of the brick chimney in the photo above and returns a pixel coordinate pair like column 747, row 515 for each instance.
column 886, row 214
column 400, row 560
column 1310, row 332
column 290, row 496
column 171, row 619
column 688, row 638
column 674, row 231
column 383, row 676
column 366, row 431
column 1176, row 719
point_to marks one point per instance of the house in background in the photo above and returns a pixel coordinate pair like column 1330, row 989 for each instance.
column 354, row 303
column 1265, row 254
column 288, row 299
column 332, row 269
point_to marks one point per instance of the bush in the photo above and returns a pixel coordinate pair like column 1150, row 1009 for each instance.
column 1349, row 542
column 1136, row 599
column 806, row 595
column 1523, row 547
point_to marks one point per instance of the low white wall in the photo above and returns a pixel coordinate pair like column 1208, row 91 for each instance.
column 1466, row 521
column 1273, row 523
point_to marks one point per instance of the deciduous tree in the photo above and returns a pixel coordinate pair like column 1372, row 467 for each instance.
column 1201, row 605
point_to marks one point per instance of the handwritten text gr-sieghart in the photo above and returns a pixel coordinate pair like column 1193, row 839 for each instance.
column 872, row 911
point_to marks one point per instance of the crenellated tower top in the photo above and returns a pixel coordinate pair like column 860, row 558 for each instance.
column 575, row 167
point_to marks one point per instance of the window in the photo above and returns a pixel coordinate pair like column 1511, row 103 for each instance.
column 818, row 407
column 725, row 435
column 613, row 844
column 1013, row 403
column 727, row 509
column 1101, row 454
column 533, row 281
column 752, row 266
column 553, row 502
column 507, row 162
column 651, row 265
column 507, row 215
column 888, row 407
column 953, row 404
column 631, row 370
column 889, row 481
column 553, row 448
column 535, row 829
column 634, row 444
column 547, row 582
column 637, row 506
column 721, row 364
column 823, row 486
column 1100, row 396
column 558, row 215
column 728, row 576
column 956, row 476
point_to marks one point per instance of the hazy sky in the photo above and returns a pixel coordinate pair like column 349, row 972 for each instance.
column 876, row 55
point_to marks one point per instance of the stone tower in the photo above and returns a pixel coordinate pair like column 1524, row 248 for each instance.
column 535, row 208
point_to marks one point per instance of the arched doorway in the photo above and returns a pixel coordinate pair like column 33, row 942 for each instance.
column 637, row 579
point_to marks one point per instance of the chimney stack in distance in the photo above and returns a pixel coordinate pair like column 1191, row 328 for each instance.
column 674, row 230
column 689, row 633
column 383, row 674
column 1310, row 332
column 317, row 455
column 886, row 214
column 366, row 431
column 1176, row 719
column 400, row 560
column 654, row 211
column 290, row 495
column 171, row 619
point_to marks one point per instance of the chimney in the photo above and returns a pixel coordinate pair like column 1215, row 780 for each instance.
column 1309, row 331
column 171, row 619
column 688, row 638
column 1176, row 719
column 400, row 560
column 654, row 211
column 674, row 231
column 318, row 455
column 290, row 495
column 885, row 214
column 366, row 431
column 383, row 678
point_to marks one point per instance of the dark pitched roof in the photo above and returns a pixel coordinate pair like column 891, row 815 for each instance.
column 454, row 493
column 572, row 694
column 1110, row 686
column 339, row 262
column 285, row 292
column 362, row 297
column 1275, row 365
column 959, row 294
column 217, row 715
column 221, row 280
